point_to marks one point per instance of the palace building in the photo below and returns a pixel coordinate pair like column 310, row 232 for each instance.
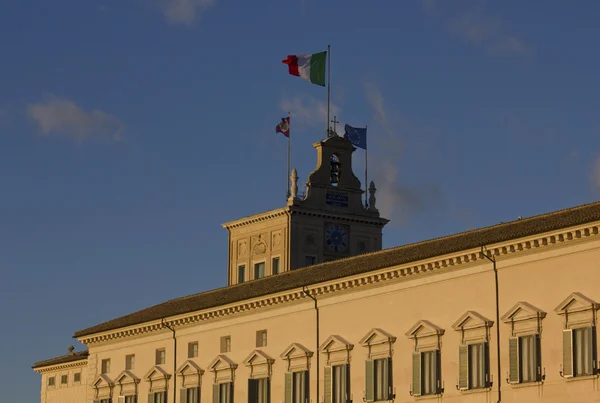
column 316, row 312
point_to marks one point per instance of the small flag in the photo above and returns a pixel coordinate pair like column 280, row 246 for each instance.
column 356, row 135
column 309, row 67
column 284, row 127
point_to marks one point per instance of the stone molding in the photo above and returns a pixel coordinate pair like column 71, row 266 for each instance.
column 60, row 367
column 375, row 277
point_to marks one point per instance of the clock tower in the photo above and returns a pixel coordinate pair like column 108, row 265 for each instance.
column 329, row 221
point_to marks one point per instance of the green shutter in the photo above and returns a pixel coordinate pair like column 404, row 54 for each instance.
column 594, row 351
column 370, row 381
column 538, row 358
column 183, row 396
column 346, row 378
column 216, row 393
column 390, row 379
column 463, row 367
column 288, row 388
column 327, row 385
column 486, row 360
column 513, row 358
column 252, row 391
column 231, row 396
column 268, row 392
column 438, row 371
column 416, row 373
column 567, row 353
column 150, row 397
column 306, row 386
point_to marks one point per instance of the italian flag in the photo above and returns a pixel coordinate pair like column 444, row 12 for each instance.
column 309, row 67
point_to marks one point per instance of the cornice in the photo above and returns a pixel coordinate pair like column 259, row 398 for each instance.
column 256, row 218
column 378, row 221
column 446, row 262
column 60, row 367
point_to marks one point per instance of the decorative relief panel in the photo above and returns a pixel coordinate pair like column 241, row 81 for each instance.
column 242, row 249
column 259, row 245
column 276, row 239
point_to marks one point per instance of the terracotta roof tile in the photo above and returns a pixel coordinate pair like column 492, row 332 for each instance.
column 77, row 356
column 356, row 265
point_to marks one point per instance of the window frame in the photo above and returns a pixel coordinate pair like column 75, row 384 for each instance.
column 225, row 344
column 241, row 269
column 261, row 338
column 312, row 262
column 130, row 362
column 105, row 366
column 75, row 376
column 264, row 269
column 64, row 377
column 51, row 381
column 160, row 356
column 273, row 260
column 259, row 390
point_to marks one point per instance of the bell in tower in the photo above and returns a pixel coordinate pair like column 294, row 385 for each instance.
column 334, row 167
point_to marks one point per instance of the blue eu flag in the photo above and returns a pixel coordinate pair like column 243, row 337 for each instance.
column 356, row 135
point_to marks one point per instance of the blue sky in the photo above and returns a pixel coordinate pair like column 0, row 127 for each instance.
column 131, row 129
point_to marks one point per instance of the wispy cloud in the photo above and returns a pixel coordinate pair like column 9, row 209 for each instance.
column 184, row 11
column 59, row 116
column 479, row 28
column 307, row 110
column 396, row 199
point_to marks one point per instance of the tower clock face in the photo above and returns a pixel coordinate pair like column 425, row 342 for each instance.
column 336, row 237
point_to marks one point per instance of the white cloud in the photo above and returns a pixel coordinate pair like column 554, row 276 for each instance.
column 184, row 11
column 60, row 116
column 309, row 111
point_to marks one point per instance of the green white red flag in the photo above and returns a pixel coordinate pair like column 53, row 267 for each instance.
column 309, row 67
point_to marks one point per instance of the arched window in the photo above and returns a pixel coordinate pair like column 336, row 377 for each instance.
column 335, row 169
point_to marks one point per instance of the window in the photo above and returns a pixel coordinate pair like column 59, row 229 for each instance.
column 190, row 395
column 337, row 378
column 473, row 366
column 130, row 362
column 158, row 397
column 51, row 381
column 160, row 356
column 584, row 357
column 300, row 386
column 258, row 390
column 261, row 338
column 275, row 266
column 106, row 366
column 105, row 400
column 426, row 373
column 241, row 273
column 225, row 344
column 381, row 378
column 64, row 379
column 77, row 377
column 309, row 260
column 259, row 270
column 130, row 399
column 193, row 350
column 525, row 359
column 223, row 392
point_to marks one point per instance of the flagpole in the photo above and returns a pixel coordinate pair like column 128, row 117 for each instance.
column 287, row 181
column 366, row 181
column 328, row 87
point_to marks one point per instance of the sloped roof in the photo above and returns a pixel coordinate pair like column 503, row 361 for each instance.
column 77, row 356
column 357, row 265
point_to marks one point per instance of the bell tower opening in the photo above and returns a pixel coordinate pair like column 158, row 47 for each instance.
column 335, row 169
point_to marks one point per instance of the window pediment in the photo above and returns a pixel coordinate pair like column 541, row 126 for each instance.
column 296, row 350
column 258, row 357
column 127, row 377
column 523, row 311
column 576, row 302
column 424, row 328
column 472, row 320
column 156, row 372
column 377, row 336
column 189, row 367
column 103, row 381
column 221, row 362
column 335, row 343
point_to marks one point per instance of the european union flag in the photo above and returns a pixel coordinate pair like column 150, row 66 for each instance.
column 356, row 135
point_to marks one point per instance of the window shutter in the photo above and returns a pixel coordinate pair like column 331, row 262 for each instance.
column 150, row 397
column 327, row 385
column 463, row 367
column 135, row 398
column 594, row 351
column 258, row 339
column 346, row 377
column 121, row 399
column 306, row 386
column 416, row 373
column 183, row 396
column 268, row 400
column 190, row 350
column 252, row 391
column 567, row 353
column 513, row 355
column 390, row 378
column 223, row 345
column 370, row 380
column 157, row 357
column 230, row 392
column 486, row 358
column 538, row 358
column 438, row 372
column 165, row 397
column 288, row 388
column 216, row 391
